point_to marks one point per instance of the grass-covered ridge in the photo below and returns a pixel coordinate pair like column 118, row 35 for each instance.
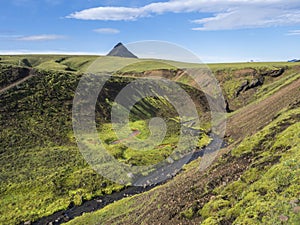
column 82, row 63
column 38, row 155
column 50, row 62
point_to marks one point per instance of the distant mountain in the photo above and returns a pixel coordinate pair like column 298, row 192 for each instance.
column 294, row 60
column 121, row 51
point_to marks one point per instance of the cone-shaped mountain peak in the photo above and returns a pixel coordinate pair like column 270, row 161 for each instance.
column 121, row 51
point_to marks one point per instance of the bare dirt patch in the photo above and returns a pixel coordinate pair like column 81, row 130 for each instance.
column 253, row 117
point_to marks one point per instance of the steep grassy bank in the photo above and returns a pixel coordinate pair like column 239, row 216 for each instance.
column 255, row 181
column 42, row 170
column 261, row 187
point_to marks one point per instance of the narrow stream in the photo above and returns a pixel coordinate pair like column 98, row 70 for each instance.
column 102, row 201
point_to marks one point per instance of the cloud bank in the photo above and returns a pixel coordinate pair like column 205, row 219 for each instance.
column 225, row 14
column 293, row 32
column 107, row 31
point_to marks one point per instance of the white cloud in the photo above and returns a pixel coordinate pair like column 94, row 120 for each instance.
column 107, row 31
column 293, row 32
column 249, row 18
column 228, row 14
column 42, row 37
column 108, row 13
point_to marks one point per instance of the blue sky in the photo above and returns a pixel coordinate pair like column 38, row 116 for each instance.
column 217, row 31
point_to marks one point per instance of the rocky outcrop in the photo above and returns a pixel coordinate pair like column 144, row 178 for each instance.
column 227, row 108
column 242, row 87
column 246, row 85
column 274, row 73
column 258, row 81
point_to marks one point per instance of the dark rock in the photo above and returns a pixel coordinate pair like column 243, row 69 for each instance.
column 227, row 108
column 246, row 85
column 274, row 73
column 66, row 218
column 70, row 69
column 121, row 51
column 60, row 60
column 258, row 81
column 255, row 83
column 243, row 87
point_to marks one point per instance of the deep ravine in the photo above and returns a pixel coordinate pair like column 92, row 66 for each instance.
column 102, row 201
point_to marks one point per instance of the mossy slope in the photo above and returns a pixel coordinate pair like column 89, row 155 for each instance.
column 42, row 170
column 264, row 189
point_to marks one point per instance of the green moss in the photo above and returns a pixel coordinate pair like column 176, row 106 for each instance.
column 263, row 193
column 230, row 85
column 211, row 221
column 188, row 213
column 214, row 207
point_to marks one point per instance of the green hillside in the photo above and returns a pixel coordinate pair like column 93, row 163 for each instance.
column 43, row 171
column 39, row 155
column 254, row 181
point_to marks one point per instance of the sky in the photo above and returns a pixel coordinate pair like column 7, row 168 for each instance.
column 215, row 30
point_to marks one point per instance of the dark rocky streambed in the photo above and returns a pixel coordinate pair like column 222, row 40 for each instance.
column 102, row 201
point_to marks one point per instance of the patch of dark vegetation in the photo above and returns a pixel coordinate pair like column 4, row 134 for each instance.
column 70, row 69
column 60, row 60
column 25, row 62
column 11, row 74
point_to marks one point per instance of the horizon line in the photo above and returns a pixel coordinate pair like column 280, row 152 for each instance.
column 79, row 53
